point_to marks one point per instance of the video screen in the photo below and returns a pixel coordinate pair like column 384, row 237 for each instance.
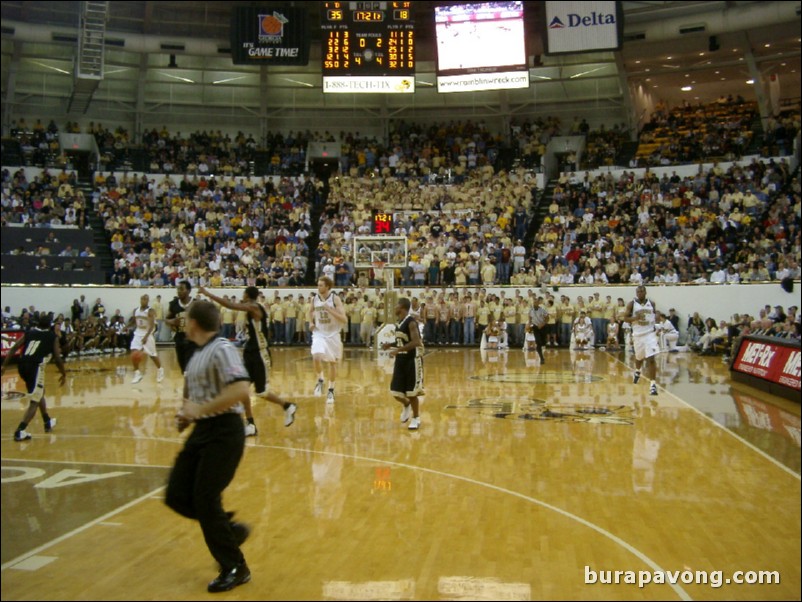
column 482, row 37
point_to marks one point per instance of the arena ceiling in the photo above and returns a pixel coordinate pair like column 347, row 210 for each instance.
column 661, row 63
column 210, row 19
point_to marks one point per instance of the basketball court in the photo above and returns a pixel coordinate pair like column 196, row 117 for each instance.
column 524, row 482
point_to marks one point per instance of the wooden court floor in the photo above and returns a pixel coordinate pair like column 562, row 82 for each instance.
column 525, row 482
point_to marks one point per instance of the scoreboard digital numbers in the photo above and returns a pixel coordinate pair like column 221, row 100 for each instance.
column 368, row 47
column 382, row 222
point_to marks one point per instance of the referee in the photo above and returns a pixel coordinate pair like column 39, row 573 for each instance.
column 216, row 385
column 539, row 317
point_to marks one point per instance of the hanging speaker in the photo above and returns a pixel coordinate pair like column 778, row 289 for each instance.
column 712, row 43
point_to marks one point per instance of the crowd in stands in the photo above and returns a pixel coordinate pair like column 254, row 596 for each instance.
column 736, row 225
column 693, row 133
column 709, row 337
column 434, row 153
column 113, row 145
column 781, row 130
column 450, row 228
column 39, row 143
column 684, row 134
column 464, row 215
column 201, row 153
column 603, row 145
column 51, row 199
column 209, row 231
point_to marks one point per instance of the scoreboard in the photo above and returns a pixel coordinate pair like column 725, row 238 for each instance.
column 368, row 47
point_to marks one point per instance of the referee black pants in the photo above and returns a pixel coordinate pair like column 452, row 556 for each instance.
column 540, row 334
column 202, row 470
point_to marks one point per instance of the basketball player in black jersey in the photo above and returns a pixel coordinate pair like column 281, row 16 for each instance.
column 177, row 319
column 256, row 354
column 40, row 344
column 407, row 383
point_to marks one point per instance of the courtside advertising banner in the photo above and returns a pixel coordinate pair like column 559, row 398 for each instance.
column 773, row 362
column 9, row 338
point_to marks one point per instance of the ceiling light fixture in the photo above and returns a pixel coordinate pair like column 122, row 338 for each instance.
column 48, row 67
column 295, row 81
column 585, row 72
column 230, row 79
column 179, row 78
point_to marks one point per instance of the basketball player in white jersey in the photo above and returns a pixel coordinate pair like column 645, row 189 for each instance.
column 641, row 314
column 145, row 339
column 326, row 318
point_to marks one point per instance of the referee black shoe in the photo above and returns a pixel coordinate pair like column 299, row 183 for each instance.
column 229, row 579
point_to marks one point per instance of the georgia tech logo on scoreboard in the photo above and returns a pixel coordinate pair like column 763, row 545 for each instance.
column 271, row 27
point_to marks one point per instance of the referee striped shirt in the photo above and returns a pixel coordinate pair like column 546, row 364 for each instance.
column 539, row 316
column 211, row 368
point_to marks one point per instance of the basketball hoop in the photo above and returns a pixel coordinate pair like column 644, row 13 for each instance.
column 378, row 266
